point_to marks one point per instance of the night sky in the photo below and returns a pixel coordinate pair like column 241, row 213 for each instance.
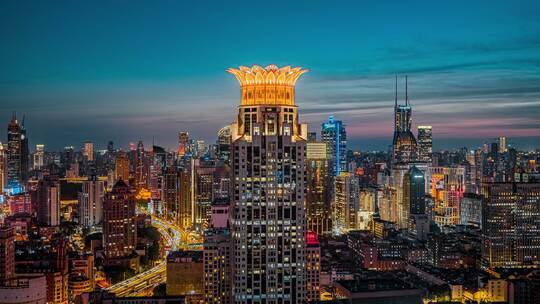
column 130, row 70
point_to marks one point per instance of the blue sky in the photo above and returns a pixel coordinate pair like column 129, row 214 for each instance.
column 129, row 70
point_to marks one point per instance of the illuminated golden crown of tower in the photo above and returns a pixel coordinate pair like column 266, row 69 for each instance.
column 267, row 86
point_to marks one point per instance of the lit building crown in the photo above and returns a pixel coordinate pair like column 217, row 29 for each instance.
column 270, row 85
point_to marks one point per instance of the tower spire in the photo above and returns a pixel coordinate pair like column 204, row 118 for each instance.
column 406, row 92
column 395, row 103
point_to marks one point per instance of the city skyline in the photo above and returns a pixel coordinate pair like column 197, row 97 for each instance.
column 145, row 73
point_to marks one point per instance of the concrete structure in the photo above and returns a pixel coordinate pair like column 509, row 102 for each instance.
column 17, row 156
column 185, row 275
column 313, row 265
column 511, row 225
column 39, row 157
column 217, row 266
column 91, row 202
column 119, row 226
column 404, row 146
column 268, row 216
column 88, row 151
column 378, row 289
column 7, row 252
column 121, row 171
column 334, row 135
column 346, row 203
column 48, row 202
column 425, row 144
column 27, row 289
column 319, row 188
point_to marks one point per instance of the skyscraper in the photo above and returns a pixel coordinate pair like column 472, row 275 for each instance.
column 334, row 135
column 39, row 156
column 511, row 225
column 186, row 198
column 447, row 186
column 7, row 253
column 17, row 156
column 88, row 151
column 502, row 144
column 414, row 191
column 141, row 167
column 121, row 171
column 224, row 143
column 414, row 203
column 313, row 264
column 48, row 202
column 319, row 185
column 91, row 202
column 404, row 143
column 119, row 224
column 170, row 192
column 425, row 144
column 217, row 266
column 346, row 203
column 203, row 188
column 183, row 143
column 268, row 220
column 2, row 167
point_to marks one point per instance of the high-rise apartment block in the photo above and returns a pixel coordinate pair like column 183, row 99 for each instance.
column 268, row 217
column 511, row 225
column 346, row 203
column 88, row 151
column 39, row 156
column 447, row 186
column 119, row 226
column 425, row 144
column 313, row 266
column 319, row 185
column 121, row 171
column 48, row 202
column 7, row 253
column 91, row 202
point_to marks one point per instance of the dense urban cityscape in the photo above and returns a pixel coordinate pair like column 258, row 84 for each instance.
column 270, row 213
column 269, row 152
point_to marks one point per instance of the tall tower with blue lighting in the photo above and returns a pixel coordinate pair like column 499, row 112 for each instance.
column 334, row 135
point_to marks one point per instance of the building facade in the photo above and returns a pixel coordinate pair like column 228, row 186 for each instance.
column 425, row 144
column 404, row 146
column 346, row 203
column 319, row 185
column 511, row 225
column 119, row 223
column 17, row 156
column 333, row 133
column 268, row 216
column 91, row 202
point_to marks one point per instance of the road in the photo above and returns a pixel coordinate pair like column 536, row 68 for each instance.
column 144, row 281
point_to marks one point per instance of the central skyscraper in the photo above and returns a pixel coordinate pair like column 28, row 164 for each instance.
column 268, row 217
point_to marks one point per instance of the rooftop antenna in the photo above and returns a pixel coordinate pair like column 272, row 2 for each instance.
column 23, row 117
column 406, row 93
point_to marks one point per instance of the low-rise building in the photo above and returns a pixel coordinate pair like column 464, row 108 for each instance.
column 185, row 275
